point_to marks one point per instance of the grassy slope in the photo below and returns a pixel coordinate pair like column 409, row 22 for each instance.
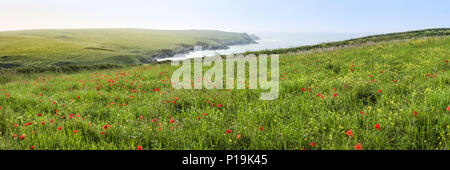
column 296, row 119
column 97, row 46
column 362, row 40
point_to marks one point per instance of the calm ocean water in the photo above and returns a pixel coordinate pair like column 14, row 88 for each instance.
column 276, row 40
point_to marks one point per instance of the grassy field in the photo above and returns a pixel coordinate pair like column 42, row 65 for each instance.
column 101, row 46
column 389, row 95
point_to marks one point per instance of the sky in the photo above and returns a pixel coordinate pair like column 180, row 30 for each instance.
column 252, row 16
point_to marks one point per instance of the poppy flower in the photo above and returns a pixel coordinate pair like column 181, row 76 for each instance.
column 377, row 126
column 260, row 128
column 43, row 123
column 141, row 117
column 349, row 133
column 32, row 147
column 105, row 127
column 15, row 135
column 15, row 125
column 379, row 91
column 238, row 137
column 361, row 113
column 102, row 133
column 39, row 115
column 198, row 117
column 358, row 146
column 313, row 144
column 139, row 148
column 30, row 123
column 228, row 131
column 415, row 113
column 75, row 131
column 448, row 108
column 22, row 137
column 204, row 114
column 154, row 120
column 172, row 120
column 59, row 128
column 335, row 94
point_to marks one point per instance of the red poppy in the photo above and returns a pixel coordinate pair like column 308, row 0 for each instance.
column 105, row 127
column 238, row 137
column 415, row 113
column 30, row 123
column 377, row 126
column 349, row 133
column 335, row 94
column 102, row 133
column 32, row 147
column 358, row 146
column 54, row 102
column 59, row 128
column 139, row 148
column 141, row 117
column 22, row 137
column 198, row 117
column 313, row 144
column 39, row 115
column 204, row 114
column 361, row 113
column 43, row 123
column 448, row 108
column 379, row 91
column 75, row 131
column 260, row 128
column 172, row 120
column 228, row 131
column 15, row 135
column 154, row 120
column 15, row 125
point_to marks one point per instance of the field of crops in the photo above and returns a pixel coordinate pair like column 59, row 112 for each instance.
column 390, row 95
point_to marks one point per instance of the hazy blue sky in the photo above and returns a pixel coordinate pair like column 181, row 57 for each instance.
column 229, row 15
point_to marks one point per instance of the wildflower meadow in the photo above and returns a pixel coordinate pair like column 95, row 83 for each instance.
column 391, row 95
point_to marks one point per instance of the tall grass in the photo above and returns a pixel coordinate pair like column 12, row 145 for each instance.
column 402, row 87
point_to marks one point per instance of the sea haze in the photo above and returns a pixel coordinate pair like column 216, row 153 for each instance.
column 275, row 41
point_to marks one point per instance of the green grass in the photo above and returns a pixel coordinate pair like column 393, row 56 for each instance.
column 357, row 41
column 299, row 117
column 100, row 46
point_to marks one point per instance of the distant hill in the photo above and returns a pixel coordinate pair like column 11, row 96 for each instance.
column 106, row 46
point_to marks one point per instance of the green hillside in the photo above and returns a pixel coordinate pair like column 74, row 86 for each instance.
column 368, row 39
column 104, row 46
column 391, row 95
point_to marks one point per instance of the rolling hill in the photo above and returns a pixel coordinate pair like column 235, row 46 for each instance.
column 105, row 46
